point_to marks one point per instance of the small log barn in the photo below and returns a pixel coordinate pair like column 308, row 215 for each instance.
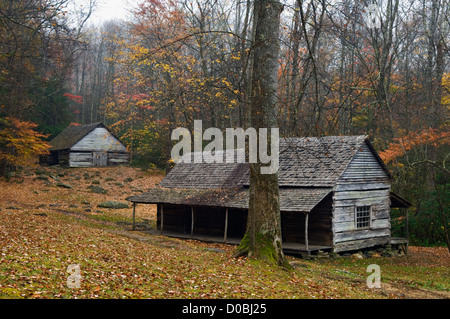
column 334, row 196
column 86, row 146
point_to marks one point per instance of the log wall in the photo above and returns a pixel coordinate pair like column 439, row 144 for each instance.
column 319, row 225
column 86, row 159
column 81, row 159
column 363, row 183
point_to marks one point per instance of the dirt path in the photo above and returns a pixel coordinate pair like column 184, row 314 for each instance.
column 402, row 291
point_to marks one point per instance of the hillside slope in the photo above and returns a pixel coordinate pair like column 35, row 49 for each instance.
column 50, row 219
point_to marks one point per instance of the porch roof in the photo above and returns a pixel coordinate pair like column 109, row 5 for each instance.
column 291, row 199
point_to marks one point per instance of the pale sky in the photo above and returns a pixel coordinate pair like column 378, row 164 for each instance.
column 110, row 9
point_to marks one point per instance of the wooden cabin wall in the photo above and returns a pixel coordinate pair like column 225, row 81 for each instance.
column 209, row 221
column 117, row 158
column 319, row 225
column 99, row 139
column 49, row 159
column 363, row 183
column 81, row 159
column 86, row 159
column 237, row 222
column 177, row 218
column 293, row 227
column 64, row 157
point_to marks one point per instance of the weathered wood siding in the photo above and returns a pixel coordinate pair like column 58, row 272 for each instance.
column 81, row 159
column 209, row 221
column 117, row 158
column 364, row 167
column 175, row 218
column 88, row 159
column 237, row 222
column 363, row 183
column 98, row 148
column 319, row 225
column 64, row 158
column 99, row 139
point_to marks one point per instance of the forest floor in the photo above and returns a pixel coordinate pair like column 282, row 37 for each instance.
column 50, row 219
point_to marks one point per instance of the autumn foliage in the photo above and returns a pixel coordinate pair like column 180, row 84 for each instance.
column 19, row 143
column 401, row 145
column 76, row 98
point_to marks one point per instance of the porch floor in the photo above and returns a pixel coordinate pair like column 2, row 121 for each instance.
column 397, row 240
column 288, row 248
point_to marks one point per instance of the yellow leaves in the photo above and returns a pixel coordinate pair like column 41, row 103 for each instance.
column 235, row 57
column 20, row 141
column 227, row 84
column 446, row 91
column 166, row 67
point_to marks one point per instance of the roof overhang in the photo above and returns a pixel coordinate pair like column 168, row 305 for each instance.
column 291, row 199
column 398, row 202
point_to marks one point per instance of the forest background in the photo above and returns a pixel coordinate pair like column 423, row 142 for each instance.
column 172, row 62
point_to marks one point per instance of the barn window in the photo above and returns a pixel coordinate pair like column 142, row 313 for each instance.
column 363, row 217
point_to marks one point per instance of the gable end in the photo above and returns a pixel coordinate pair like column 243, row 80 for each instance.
column 99, row 139
column 366, row 166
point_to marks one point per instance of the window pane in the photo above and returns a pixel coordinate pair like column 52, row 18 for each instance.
column 363, row 217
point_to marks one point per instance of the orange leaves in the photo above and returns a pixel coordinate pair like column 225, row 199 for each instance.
column 19, row 142
column 401, row 145
column 76, row 98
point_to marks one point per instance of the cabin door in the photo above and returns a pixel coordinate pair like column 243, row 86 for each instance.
column 100, row 158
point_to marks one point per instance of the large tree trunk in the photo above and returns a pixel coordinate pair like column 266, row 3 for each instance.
column 263, row 235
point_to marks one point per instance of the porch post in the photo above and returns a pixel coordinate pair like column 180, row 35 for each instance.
column 306, row 233
column 162, row 218
column 226, row 226
column 192, row 221
column 407, row 230
column 134, row 216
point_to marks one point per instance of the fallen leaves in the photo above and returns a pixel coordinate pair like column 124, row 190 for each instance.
column 35, row 253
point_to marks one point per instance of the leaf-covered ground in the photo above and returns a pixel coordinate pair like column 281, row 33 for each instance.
column 45, row 227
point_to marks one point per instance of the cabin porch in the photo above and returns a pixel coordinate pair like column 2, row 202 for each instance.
column 304, row 233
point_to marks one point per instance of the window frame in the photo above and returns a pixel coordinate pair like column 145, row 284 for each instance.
column 369, row 226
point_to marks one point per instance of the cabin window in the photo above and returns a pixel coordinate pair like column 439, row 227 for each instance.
column 363, row 217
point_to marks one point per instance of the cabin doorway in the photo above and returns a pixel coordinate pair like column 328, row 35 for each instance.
column 100, row 158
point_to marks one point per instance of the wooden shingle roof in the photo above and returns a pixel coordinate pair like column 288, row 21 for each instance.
column 315, row 161
column 71, row 135
column 291, row 199
column 309, row 169
column 205, row 175
column 304, row 162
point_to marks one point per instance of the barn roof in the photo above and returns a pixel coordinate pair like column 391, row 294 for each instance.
column 304, row 162
column 71, row 135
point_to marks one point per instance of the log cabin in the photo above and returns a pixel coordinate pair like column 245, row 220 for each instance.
column 335, row 195
column 88, row 145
